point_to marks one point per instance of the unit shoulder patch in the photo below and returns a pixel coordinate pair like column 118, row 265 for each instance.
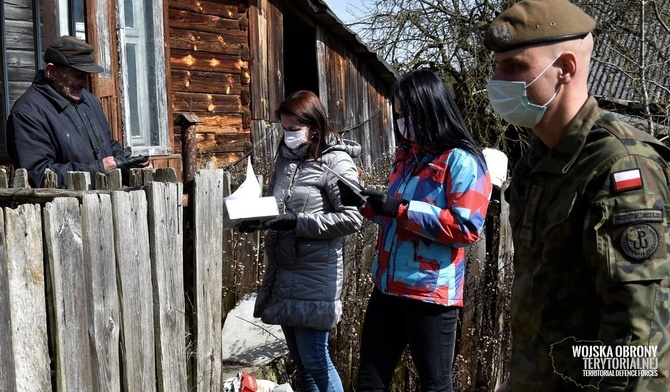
column 639, row 241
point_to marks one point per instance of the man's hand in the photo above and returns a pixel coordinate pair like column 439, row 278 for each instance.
column 382, row 204
column 108, row 164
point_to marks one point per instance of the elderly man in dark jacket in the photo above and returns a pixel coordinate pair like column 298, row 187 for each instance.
column 58, row 124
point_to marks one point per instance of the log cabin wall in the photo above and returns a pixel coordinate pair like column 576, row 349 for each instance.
column 300, row 44
column 357, row 102
column 19, row 50
column 209, row 61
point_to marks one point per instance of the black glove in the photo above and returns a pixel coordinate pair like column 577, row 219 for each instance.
column 382, row 204
column 287, row 221
column 125, row 163
column 249, row 226
column 348, row 196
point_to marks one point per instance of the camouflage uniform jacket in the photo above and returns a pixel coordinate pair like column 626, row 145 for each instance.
column 590, row 229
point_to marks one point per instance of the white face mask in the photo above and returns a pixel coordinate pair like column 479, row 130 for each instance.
column 510, row 101
column 295, row 139
column 402, row 127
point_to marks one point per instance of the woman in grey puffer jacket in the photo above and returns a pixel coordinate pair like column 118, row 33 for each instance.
column 303, row 282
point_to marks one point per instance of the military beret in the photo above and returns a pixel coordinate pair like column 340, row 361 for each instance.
column 69, row 51
column 531, row 22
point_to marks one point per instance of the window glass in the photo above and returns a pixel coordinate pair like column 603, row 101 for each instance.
column 143, row 82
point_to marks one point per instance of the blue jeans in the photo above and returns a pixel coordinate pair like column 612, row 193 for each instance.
column 391, row 323
column 309, row 350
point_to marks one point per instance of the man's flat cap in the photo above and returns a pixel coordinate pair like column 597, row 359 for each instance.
column 531, row 22
column 69, row 51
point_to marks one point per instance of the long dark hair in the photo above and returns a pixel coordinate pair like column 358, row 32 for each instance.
column 434, row 120
column 304, row 107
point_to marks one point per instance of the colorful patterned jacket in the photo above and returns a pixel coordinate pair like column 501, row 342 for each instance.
column 420, row 253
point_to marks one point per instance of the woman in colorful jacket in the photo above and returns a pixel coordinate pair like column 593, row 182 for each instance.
column 303, row 282
column 436, row 205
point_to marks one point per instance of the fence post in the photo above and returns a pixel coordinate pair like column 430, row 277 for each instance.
column 62, row 229
column 7, row 374
column 20, row 180
column 208, row 264
column 131, row 245
column 4, row 182
column 188, row 123
column 50, row 179
column 27, row 309
column 78, row 181
column 167, row 272
column 100, row 261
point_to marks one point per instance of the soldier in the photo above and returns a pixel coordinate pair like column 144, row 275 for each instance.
column 588, row 201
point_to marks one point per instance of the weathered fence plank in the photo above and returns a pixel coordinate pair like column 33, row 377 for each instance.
column 50, row 179
column 166, row 244
column 4, row 179
column 208, row 246
column 7, row 375
column 99, row 258
column 78, row 181
column 27, row 307
column 134, row 268
column 109, row 180
column 62, row 231
column 20, row 179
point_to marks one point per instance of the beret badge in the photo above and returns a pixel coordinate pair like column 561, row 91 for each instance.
column 501, row 34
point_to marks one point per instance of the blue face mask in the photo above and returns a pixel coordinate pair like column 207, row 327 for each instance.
column 510, row 101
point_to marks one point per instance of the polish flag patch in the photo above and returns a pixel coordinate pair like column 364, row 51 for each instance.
column 627, row 180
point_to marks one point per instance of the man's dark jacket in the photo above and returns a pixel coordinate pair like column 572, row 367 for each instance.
column 47, row 130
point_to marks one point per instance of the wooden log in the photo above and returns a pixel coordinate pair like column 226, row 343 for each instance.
column 181, row 19
column 208, row 241
column 209, row 143
column 13, row 196
column 220, row 121
column 211, row 7
column 211, row 103
column 7, row 375
column 203, row 41
column 167, row 273
column 63, row 236
column 131, row 241
column 206, row 82
column 27, row 309
column 208, row 62
column 100, row 259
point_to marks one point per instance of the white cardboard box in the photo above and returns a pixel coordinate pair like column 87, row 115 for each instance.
column 236, row 211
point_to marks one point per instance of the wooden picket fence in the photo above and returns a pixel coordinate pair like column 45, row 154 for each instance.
column 111, row 288
column 92, row 284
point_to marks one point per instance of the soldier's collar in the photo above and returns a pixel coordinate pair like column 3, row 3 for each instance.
column 560, row 158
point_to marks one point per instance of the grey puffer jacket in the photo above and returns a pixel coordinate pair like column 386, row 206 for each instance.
column 303, row 279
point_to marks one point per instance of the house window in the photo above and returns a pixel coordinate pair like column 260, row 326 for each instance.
column 143, row 76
